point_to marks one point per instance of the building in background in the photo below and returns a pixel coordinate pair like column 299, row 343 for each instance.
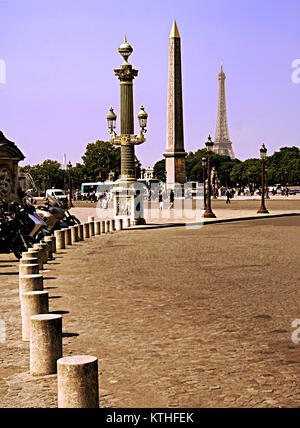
column 147, row 173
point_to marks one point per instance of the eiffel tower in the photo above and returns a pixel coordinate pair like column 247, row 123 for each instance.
column 222, row 143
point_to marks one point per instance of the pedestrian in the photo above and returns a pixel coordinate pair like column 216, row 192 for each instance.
column 105, row 201
column 160, row 200
column 172, row 197
column 228, row 195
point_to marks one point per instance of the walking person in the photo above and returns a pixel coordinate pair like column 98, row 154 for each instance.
column 172, row 197
column 160, row 200
column 228, row 196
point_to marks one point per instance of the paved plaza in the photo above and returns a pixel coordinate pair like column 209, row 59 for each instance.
column 177, row 317
column 239, row 207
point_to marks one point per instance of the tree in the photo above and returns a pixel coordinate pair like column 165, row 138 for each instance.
column 284, row 166
column 159, row 170
column 99, row 159
column 194, row 170
column 47, row 175
column 78, row 174
column 247, row 172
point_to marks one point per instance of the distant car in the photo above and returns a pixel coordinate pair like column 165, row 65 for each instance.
column 294, row 192
column 57, row 194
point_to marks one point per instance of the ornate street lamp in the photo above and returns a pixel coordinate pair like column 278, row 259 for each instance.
column 111, row 122
column 69, row 166
column 263, row 155
column 208, row 211
column 142, row 118
column 204, row 179
column 127, row 140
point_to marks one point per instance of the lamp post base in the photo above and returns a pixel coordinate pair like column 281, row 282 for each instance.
column 129, row 203
column 139, row 222
column 263, row 210
column 209, row 214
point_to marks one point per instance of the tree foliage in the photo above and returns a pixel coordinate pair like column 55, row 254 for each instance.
column 283, row 167
column 47, row 175
column 194, row 170
column 159, row 170
column 99, row 159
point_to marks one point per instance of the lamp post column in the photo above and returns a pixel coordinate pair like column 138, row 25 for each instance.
column 266, row 183
column 263, row 154
column 208, row 211
column 126, row 74
column 204, row 179
column 70, row 184
column 128, row 198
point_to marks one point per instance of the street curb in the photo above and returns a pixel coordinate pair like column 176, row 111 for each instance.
column 212, row 221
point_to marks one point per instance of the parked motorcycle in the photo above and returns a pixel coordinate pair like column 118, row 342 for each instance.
column 56, row 215
column 20, row 228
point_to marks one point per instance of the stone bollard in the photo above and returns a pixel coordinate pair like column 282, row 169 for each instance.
column 102, row 227
column 49, row 243
column 29, row 261
column 33, row 303
column 127, row 222
column 68, row 239
column 112, row 225
column 86, row 230
column 91, row 219
column 80, row 232
column 74, row 234
column 77, row 379
column 53, row 244
column 97, row 228
column 28, row 269
column 34, row 253
column 107, row 226
column 41, row 246
column 119, row 224
column 45, row 344
column 92, row 228
column 60, row 240
column 30, row 283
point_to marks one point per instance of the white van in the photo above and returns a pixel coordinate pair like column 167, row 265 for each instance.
column 57, row 194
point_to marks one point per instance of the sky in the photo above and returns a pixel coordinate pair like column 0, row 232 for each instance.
column 59, row 57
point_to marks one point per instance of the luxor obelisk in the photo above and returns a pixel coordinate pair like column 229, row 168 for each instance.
column 175, row 154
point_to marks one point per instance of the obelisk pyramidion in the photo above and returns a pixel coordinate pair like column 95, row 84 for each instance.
column 175, row 154
column 222, row 143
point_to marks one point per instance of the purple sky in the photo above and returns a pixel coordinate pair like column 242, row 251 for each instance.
column 60, row 56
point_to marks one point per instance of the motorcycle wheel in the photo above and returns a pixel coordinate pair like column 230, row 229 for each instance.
column 77, row 220
column 21, row 248
column 74, row 220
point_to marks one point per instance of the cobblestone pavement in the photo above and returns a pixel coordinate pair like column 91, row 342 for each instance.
column 177, row 317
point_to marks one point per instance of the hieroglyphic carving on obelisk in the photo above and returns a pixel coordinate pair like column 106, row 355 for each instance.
column 175, row 154
column 222, row 143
